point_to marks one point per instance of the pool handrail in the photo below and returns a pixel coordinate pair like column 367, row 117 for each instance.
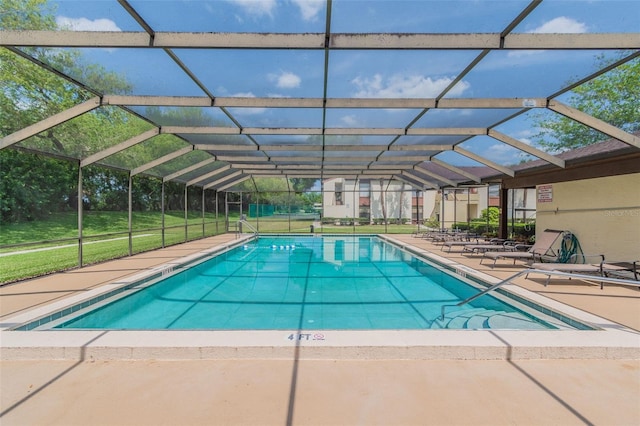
column 601, row 279
column 248, row 225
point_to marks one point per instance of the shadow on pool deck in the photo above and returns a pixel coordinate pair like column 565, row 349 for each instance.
column 305, row 391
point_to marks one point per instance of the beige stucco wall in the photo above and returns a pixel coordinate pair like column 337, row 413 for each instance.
column 465, row 207
column 604, row 214
column 351, row 198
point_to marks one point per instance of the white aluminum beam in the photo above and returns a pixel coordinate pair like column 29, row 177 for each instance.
column 346, row 167
column 393, row 167
column 199, row 130
column 388, row 170
column 549, row 41
column 365, row 131
column 188, row 169
column 255, row 170
column 215, row 147
column 418, row 179
column 479, row 159
column 456, row 170
column 423, row 147
column 326, row 160
column 387, row 103
column 119, row 147
column 208, row 175
column 316, row 41
column 493, row 103
column 349, row 159
column 526, row 148
column 74, row 38
column 177, row 101
column 594, row 123
column 235, row 182
column 338, row 131
column 222, row 179
column 388, row 176
column 302, row 175
column 291, row 148
column 454, row 131
column 253, row 166
column 416, row 41
column 239, row 40
column 398, row 161
column 300, row 166
column 49, row 122
column 163, row 159
column 234, row 159
column 243, row 102
column 282, row 131
column 318, row 147
column 316, row 159
column 424, row 171
column 352, row 103
column 406, row 179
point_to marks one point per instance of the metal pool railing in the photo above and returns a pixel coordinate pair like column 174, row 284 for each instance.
column 601, row 279
column 242, row 223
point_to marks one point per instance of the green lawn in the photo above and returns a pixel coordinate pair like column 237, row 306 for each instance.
column 65, row 225
column 105, row 237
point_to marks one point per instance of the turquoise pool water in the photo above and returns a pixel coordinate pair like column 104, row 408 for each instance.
column 305, row 283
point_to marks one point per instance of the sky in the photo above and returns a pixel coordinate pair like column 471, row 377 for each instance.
column 364, row 74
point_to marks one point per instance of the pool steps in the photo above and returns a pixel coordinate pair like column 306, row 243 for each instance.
column 481, row 318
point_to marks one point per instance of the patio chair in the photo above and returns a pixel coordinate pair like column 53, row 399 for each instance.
column 495, row 244
column 602, row 268
column 543, row 246
column 626, row 270
column 421, row 231
column 470, row 239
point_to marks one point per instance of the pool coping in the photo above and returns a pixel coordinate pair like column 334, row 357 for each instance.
column 609, row 341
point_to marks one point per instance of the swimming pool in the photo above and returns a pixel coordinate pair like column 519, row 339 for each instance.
column 303, row 283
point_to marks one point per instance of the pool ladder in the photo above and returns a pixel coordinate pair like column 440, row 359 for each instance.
column 242, row 222
column 601, row 279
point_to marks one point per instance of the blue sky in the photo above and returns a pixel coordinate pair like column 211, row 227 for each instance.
column 393, row 74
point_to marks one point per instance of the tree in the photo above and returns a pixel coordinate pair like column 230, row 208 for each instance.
column 302, row 184
column 612, row 97
column 32, row 186
column 491, row 214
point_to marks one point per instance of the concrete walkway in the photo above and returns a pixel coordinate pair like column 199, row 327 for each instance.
column 298, row 391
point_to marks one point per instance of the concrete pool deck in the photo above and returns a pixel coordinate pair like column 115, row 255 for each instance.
column 296, row 384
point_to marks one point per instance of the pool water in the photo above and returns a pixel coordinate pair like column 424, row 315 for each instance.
column 306, row 283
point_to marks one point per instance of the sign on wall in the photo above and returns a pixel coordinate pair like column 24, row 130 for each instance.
column 545, row 193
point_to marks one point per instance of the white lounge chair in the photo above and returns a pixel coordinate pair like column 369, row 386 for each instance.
column 542, row 246
column 602, row 269
column 496, row 244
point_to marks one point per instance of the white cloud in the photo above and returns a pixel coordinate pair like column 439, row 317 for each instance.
column 350, row 121
column 502, row 154
column 256, row 7
column 405, row 86
column 309, row 8
column 561, row 25
column 247, row 111
column 84, row 24
column 285, row 80
column 524, row 136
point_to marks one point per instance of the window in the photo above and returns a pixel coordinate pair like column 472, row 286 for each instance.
column 338, row 194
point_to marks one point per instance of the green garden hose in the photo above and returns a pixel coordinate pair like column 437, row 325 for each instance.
column 569, row 249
